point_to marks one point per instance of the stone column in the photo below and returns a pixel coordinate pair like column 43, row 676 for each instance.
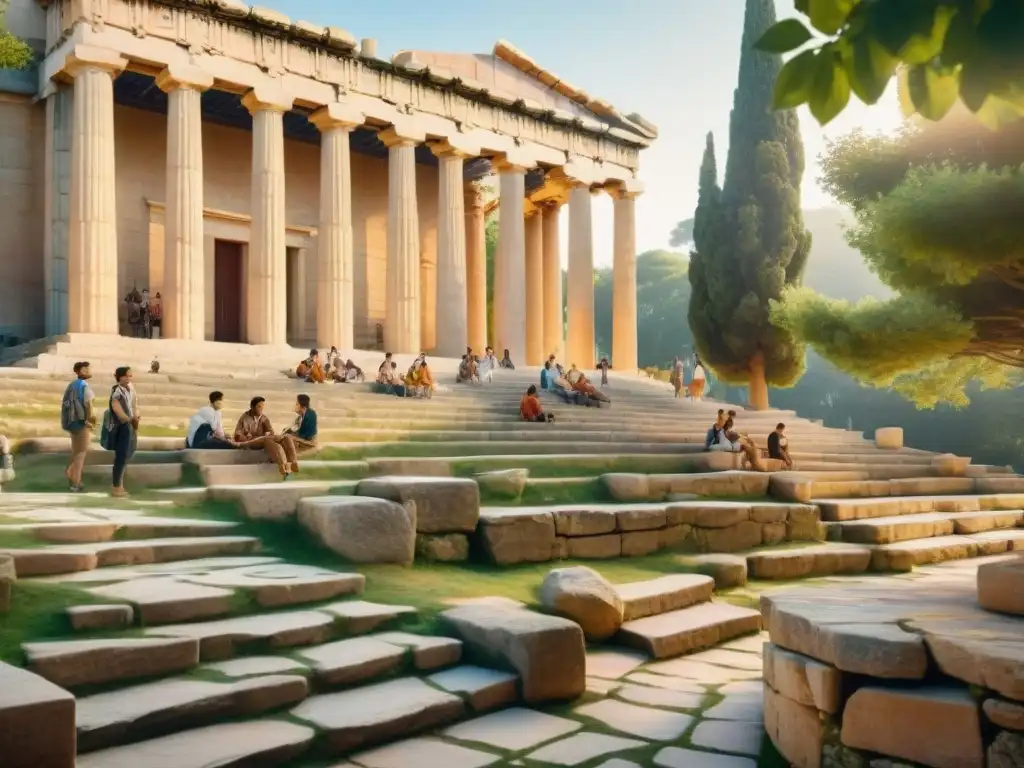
column 452, row 296
column 335, row 262
column 554, row 328
column 266, row 279
column 624, row 353
column 184, row 299
column 297, row 268
column 476, row 268
column 510, row 265
column 59, row 111
column 402, row 309
column 535, row 354
column 93, row 287
column 580, row 288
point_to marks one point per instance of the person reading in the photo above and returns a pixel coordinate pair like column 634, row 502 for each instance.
column 254, row 432
column 778, row 445
column 206, row 427
column 529, row 407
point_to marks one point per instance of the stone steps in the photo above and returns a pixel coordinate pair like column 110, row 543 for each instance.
column 665, row 594
column 86, row 531
column 797, row 487
column 888, row 530
column 840, row 510
column 689, row 629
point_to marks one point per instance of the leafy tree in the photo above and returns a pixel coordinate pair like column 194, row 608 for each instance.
column 749, row 239
column 682, row 234
column 15, row 53
column 937, row 219
column 971, row 49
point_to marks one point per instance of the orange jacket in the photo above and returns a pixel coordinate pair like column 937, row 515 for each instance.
column 529, row 408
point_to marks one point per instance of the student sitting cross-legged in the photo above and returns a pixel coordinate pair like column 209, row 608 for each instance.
column 529, row 407
column 206, row 427
column 303, row 432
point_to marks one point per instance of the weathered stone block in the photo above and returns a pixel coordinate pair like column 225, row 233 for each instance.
column 940, row 727
column 640, row 519
column 727, row 570
column 802, row 679
column 1006, row 714
column 746, row 535
column 512, row 535
column 583, row 522
column 637, row 543
column 443, row 547
column 586, row 597
column 548, row 652
column 673, row 536
column 443, row 504
column 596, row 547
column 889, row 437
column 1007, row 751
column 773, row 533
column 363, row 530
column 37, row 721
column 506, row 483
column 1000, row 586
column 795, row 729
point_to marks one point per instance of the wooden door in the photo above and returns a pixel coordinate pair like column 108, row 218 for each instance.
column 227, row 291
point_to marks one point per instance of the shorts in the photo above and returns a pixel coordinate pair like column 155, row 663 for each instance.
column 80, row 439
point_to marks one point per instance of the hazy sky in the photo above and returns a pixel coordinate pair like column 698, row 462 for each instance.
column 673, row 61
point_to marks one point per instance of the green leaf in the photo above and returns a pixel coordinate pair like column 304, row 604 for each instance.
column 828, row 16
column 830, row 92
column 975, row 85
column 932, row 91
column 801, row 6
column 783, row 37
column 894, row 23
column 921, row 48
column 795, row 82
column 996, row 113
column 871, row 69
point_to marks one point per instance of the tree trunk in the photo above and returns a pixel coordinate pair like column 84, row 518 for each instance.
column 757, row 388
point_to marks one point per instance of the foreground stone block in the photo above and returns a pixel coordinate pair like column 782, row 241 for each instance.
column 7, row 579
column 1001, row 586
column 363, row 530
column 689, row 629
column 548, row 652
column 442, row 547
column 506, row 483
column 37, row 721
column 586, row 597
column 1005, row 714
column 802, row 679
column 511, row 535
column 940, row 727
column 822, row 560
column 664, row 594
column 443, row 504
column 889, row 437
column 84, row 618
column 727, row 570
column 70, row 663
column 796, row 729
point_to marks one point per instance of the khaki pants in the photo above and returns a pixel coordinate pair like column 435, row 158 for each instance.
column 283, row 450
column 79, row 449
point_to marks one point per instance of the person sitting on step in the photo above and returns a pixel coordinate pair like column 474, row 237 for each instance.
column 581, row 384
column 733, row 442
column 487, row 365
column 695, row 389
column 603, row 367
column 206, row 427
column 316, row 374
column 556, row 366
column 304, row 431
column 333, row 363
column 419, row 381
column 778, row 446
column 529, row 407
column 467, row 371
column 353, row 372
column 255, row 432
column 506, row 361
column 384, row 369
column 392, row 382
column 547, row 377
column 711, row 436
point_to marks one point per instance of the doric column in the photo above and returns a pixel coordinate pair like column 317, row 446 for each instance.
column 266, row 281
column 580, row 288
column 297, row 276
column 184, row 299
column 93, row 298
column 476, row 268
column 554, row 328
column 510, row 265
column 335, row 261
column 452, row 321
column 624, row 353
column 535, row 354
column 402, row 318
column 59, row 125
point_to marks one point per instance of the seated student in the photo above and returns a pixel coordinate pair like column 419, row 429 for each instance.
column 206, row 428
column 384, row 369
column 255, row 432
column 316, row 373
column 547, row 379
column 487, row 365
column 393, row 382
column 603, row 367
column 732, row 441
column 506, row 362
column 353, row 372
column 333, row 361
column 556, row 366
column 529, row 407
column 302, row 369
column 582, row 385
column 419, row 381
column 778, row 445
column 711, row 436
column 467, row 371
column 303, row 432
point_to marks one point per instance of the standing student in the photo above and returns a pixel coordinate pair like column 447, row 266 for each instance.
column 78, row 420
column 697, row 380
column 603, row 366
column 124, row 425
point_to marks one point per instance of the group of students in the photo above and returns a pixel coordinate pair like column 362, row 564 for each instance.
column 475, row 369
column 695, row 389
column 417, row 382
column 335, row 368
column 556, row 379
column 722, row 436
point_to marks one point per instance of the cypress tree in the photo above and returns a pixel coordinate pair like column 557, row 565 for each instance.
column 750, row 241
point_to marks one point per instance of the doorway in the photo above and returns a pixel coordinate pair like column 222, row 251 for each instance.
column 227, row 291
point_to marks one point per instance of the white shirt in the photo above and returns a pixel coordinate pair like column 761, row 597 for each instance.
column 205, row 415
column 698, row 373
column 487, row 364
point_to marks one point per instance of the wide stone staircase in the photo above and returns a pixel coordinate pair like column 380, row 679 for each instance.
column 193, row 643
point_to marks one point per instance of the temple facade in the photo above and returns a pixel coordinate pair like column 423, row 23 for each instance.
column 277, row 183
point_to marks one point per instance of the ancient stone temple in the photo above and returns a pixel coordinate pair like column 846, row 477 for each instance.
column 277, row 182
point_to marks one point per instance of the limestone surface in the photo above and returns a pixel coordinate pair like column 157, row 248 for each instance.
column 675, row 757
column 513, row 729
column 517, row 535
column 442, row 504
column 347, row 662
column 581, row 748
column 427, row 652
column 360, row 529
column 164, row 600
column 71, row 663
column 442, row 547
column 726, row 570
column 281, row 584
column 802, row 679
column 508, row 483
column 425, row 751
column 85, row 618
column 664, row 594
column 361, row 616
column 219, row 640
column 795, row 728
column 37, row 721
column 724, row 736
column 689, row 629
column 611, row 664
column 647, row 723
column 485, row 689
column 1001, row 586
column 586, row 597
column 547, row 652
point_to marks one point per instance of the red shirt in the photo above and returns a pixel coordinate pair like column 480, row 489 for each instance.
column 529, row 407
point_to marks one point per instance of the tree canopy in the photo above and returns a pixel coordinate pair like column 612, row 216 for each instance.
column 15, row 53
column 971, row 49
column 937, row 219
column 749, row 238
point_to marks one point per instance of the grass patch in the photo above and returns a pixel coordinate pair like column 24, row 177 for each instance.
column 37, row 612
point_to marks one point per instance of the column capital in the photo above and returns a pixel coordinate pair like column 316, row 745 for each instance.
column 177, row 76
column 84, row 57
column 513, row 160
column 404, row 132
column 630, row 189
column 337, row 115
column 267, row 98
column 453, row 147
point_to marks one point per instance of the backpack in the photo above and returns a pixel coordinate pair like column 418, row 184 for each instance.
column 109, row 427
column 72, row 409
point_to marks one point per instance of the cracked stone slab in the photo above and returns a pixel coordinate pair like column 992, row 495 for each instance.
column 346, row 662
column 660, row 697
column 281, row 584
column 255, row 742
column 71, row 663
column 375, row 713
column 723, row 657
column 647, row 723
column 667, row 682
column 257, row 665
column 360, row 616
column 219, row 640
column 428, row 653
column 613, row 664
column 486, row 689
column 748, row 644
column 425, row 752
column 676, row 757
column 84, row 618
column 513, row 729
column 695, row 670
column 728, row 736
column 582, row 748
column 164, row 600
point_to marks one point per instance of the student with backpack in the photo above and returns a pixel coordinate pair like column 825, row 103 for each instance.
column 120, row 423
column 78, row 420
